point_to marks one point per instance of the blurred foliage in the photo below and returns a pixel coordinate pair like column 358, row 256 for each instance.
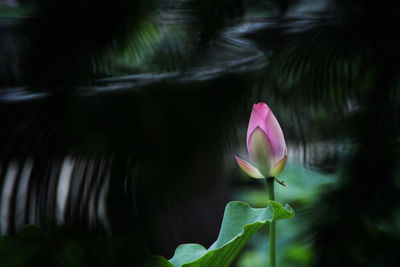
column 299, row 254
column 131, row 55
column 68, row 44
column 65, row 246
column 304, row 188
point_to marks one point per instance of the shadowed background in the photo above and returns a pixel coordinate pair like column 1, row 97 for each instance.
column 119, row 123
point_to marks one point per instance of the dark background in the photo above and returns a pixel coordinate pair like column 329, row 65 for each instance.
column 119, row 121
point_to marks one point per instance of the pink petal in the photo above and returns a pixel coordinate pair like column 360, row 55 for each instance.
column 260, row 151
column 278, row 168
column 276, row 138
column 262, row 108
column 257, row 119
column 249, row 169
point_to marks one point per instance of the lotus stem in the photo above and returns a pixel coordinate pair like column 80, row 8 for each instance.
column 272, row 240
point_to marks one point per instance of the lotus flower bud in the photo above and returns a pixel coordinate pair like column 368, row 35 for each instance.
column 265, row 144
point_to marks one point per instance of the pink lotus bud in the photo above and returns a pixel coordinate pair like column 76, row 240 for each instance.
column 265, row 144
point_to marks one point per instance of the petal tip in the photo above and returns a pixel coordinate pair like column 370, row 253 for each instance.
column 261, row 109
column 278, row 168
column 260, row 105
column 249, row 169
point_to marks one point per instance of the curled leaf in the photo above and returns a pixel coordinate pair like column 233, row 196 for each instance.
column 240, row 222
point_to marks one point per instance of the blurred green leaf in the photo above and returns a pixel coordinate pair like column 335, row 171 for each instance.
column 300, row 254
column 303, row 187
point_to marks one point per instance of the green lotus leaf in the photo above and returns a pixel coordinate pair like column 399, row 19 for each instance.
column 240, row 222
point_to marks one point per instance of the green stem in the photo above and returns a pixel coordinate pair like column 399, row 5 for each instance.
column 272, row 240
